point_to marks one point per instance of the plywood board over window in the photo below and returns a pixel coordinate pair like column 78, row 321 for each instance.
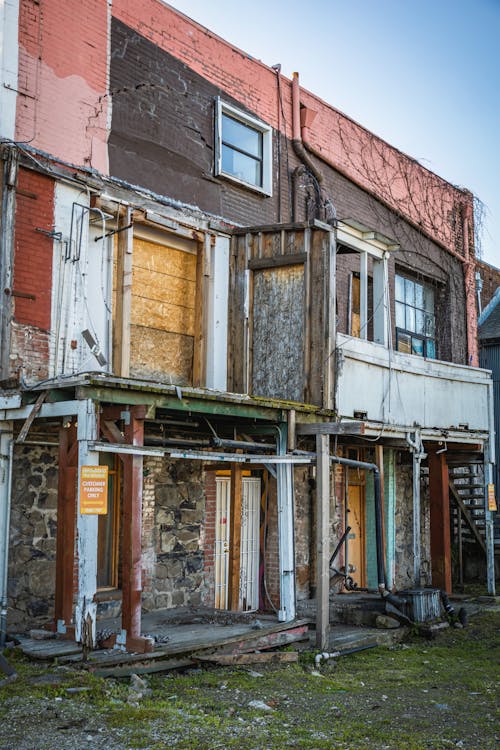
column 162, row 334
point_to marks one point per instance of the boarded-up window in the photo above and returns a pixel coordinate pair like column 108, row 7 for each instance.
column 163, row 311
column 278, row 333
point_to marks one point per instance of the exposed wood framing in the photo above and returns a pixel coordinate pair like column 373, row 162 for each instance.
column 322, row 541
column 66, row 528
column 235, row 536
column 121, row 339
column 29, row 420
column 203, row 272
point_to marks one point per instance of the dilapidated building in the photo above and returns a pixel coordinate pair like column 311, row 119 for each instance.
column 236, row 329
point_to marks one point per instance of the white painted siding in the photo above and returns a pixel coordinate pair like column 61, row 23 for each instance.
column 217, row 316
column 9, row 58
column 405, row 390
column 81, row 289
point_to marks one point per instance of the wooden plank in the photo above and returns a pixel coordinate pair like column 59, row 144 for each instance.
column 203, row 272
column 266, row 641
column 132, row 522
column 270, row 657
column 66, row 524
column 277, row 261
column 235, row 537
column 440, row 521
column 121, row 323
column 32, row 416
column 330, row 428
column 322, row 541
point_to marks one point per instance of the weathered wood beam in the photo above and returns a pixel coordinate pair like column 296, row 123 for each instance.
column 330, row 428
column 235, row 537
column 322, row 541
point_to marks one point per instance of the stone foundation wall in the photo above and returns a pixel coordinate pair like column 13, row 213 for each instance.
column 176, row 490
column 404, row 577
column 31, row 583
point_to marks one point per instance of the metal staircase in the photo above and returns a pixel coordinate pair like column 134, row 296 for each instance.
column 467, row 498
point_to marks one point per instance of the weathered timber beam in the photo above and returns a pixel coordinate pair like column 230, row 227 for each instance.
column 331, row 428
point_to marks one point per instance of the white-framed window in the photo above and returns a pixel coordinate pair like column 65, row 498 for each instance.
column 415, row 318
column 243, row 148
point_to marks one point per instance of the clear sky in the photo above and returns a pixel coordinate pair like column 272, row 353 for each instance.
column 422, row 74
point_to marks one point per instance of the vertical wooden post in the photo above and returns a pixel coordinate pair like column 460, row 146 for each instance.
column 121, row 343
column 440, row 521
column 322, row 541
column 66, row 527
column 235, row 537
column 132, row 531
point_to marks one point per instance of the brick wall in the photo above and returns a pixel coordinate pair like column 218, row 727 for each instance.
column 403, row 183
column 32, row 276
column 62, row 104
column 491, row 281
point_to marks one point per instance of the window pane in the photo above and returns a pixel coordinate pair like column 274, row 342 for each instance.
column 241, row 136
column 243, row 167
column 419, row 296
column 409, row 292
column 400, row 315
column 419, row 321
column 417, row 346
column 403, row 343
column 430, row 325
column 400, row 288
column 430, row 349
column 428, row 299
column 410, row 319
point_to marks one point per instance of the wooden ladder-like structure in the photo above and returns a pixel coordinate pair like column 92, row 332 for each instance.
column 467, row 496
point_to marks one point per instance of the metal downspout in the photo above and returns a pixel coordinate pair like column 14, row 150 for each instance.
column 297, row 140
column 6, row 455
column 418, row 454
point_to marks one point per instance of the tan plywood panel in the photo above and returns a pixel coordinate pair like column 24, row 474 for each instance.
column 163, row 312
column 161, row 355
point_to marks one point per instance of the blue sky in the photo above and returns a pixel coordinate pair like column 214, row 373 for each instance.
column 422, row 74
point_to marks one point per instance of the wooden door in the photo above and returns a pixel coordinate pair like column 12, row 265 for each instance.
column 356, row 544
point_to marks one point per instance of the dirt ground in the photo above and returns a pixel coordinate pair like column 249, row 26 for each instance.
column 419, row 695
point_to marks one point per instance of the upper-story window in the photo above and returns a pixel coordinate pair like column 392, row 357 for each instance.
column 415, row 319
column 243, row 148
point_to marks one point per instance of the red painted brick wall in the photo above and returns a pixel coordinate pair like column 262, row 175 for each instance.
column 33, row 250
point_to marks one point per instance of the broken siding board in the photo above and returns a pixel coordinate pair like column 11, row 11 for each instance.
column 278, row 339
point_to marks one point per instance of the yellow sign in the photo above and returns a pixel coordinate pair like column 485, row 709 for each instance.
column 492, row 503
column 94, row 490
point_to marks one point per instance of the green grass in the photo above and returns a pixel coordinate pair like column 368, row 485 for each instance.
column 422, row 695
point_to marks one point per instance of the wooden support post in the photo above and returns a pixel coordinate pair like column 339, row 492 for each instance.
column 235, row 537
column 440, row 521
column 322, row 541
column 66, row 528
column 121, row 344
column 132, row 533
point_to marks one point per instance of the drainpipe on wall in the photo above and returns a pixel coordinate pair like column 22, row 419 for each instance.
column 300, row 130
column 470, row 286
column 418, row 454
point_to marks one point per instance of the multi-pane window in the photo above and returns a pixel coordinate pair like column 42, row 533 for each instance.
column 415, row 319
column 243, row 148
